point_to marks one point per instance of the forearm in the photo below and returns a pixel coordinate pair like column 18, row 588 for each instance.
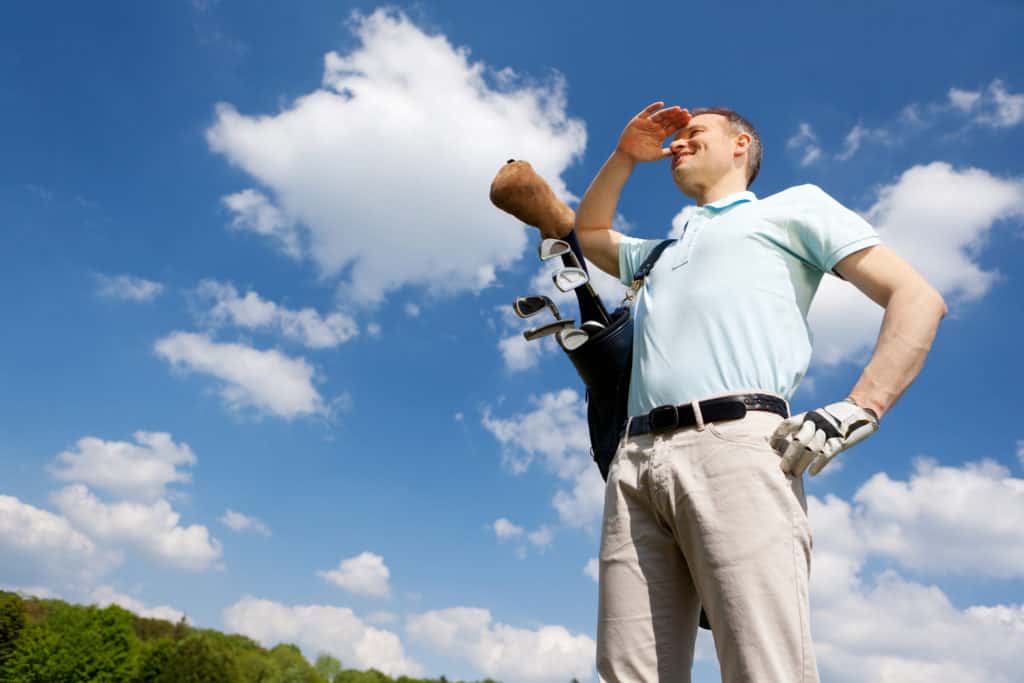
column 596, row 213
column 911, row 320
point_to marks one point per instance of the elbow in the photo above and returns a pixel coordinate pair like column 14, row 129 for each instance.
column 940, row 304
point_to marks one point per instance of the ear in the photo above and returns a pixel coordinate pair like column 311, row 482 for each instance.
column 742, row 142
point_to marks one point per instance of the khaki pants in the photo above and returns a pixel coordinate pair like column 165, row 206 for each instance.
column 704, row 517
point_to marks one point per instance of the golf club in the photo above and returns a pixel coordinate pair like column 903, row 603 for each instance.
column 592, row 327
column 526, row 306
column 572, row 339
column 568, row 279
column 548, row 329
column 591, row 306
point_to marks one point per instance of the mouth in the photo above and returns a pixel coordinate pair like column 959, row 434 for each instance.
column 680, row 158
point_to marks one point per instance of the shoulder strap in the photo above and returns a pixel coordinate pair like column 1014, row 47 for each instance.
column 645, row 268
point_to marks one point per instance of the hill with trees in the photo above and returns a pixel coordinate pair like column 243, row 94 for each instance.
column 51, row 641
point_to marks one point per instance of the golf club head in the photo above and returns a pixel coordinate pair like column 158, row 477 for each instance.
column 550, row 248
column 568, row 279
column 572, row 339
column 592, row 326
column 526, row 306
column 548, row 329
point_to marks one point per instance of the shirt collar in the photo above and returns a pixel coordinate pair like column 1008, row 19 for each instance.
column 730, row 200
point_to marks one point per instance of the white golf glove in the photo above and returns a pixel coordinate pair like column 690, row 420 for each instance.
column 815, row 437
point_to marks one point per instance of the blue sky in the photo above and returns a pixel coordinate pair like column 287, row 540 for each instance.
column 260, row 368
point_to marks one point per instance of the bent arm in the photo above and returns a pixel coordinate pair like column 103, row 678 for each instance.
column 596, row 211
column 913, row 310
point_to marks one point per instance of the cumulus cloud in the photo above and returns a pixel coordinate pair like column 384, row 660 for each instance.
column 857, row 136
column 305, row 326
column 364, row 574
column 321, row 628
column 556, row 431
column 541, row 537
column 933, row 522
column 888, row 628
column 253, row 211
column 591, row 569
column 105, row 595
column 266, row 380
column 503, row 529
column 151, row 528
column 239, row 522
column 140, row 471
column 40, row 546
column 549, row 653
column 383, row 210
column 127, row 288
column 937, row 217
column 804, row 143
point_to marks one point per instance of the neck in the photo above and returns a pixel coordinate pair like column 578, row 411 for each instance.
column 723, row 187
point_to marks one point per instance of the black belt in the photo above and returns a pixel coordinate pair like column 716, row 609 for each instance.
column 667, row 418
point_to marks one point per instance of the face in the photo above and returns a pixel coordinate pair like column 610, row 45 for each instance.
column 703, row 152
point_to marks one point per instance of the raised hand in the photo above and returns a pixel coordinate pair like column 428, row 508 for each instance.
column 643, row 136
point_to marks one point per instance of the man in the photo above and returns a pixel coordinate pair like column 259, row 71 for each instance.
column 704, row 503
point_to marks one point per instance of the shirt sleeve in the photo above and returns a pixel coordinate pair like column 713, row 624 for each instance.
column 826, row 230
column 632, row 252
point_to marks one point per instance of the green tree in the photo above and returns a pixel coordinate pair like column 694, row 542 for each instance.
column 198, row 660
column 327, row 666
column 12, row 622
column 75, row 644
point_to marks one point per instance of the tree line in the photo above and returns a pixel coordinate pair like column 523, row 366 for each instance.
column 51, row 641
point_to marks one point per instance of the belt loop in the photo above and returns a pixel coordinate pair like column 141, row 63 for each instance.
column 697, row 415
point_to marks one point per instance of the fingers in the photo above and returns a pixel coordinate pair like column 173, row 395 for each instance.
column 650, row 109
column 807, row 444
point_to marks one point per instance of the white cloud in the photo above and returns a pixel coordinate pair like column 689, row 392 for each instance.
column 584, row 503
column 305, row 326
column 549, row 653
column 541, row 538
column 373, row 329
column 254, row 212
column 321, row 628
column 504, row 528
column 555, row 430
column 592, row 569
column 330, row 159
column 128, row 288
column 240, row 522
column 364, row 574
column 887, row 628
column 805, row 143
column 964, row 100
column 933, row 522
column 267, row 380
column 992, row 106
column 412, row 310
column 151, row 528
column 141, row 471
column 37, row 546
column 936, row 217
column 1020, row 452
column 856, row 137
column 105, row 595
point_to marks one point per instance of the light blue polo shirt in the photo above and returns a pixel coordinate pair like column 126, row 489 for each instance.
column 725, row 307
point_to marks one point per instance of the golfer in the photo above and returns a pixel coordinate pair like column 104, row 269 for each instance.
column 704, row 503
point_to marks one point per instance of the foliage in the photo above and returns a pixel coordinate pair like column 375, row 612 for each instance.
column 50, row 641
column 327, row 666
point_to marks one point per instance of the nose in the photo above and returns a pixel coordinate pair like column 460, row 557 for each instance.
column 677, row 145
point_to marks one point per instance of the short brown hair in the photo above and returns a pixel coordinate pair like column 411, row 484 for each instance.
column 740, row 125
